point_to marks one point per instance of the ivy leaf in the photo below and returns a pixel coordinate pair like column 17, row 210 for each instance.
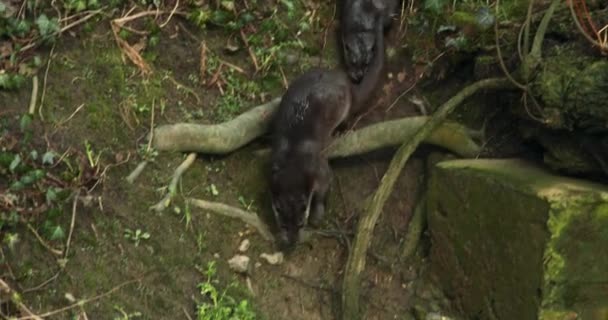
column 435, row 6
column 484, row 18
column 51, row 195
column 47, row 27
column 16, row 161
column 25, row 122
column 48, row 158
column 57, row 233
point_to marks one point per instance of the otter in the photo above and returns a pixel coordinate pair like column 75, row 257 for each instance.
column 358, row 19
column 311, row 109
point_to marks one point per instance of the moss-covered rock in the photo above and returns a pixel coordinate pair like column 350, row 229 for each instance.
column 576, row 87
column 513, row 241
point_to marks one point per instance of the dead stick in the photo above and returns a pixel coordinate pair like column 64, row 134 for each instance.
column 81, row 302
column 34, row 97
column 164, row 203
column 367, row 221
column 250, row 218
column 15, row 298
column 43, row 243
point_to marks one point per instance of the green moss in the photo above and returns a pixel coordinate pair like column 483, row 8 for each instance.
column 576, row 86
column 511, row 241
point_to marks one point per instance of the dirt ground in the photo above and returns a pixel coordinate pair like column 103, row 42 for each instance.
column 89, row 70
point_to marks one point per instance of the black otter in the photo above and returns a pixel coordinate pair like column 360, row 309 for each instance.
column 313, row 106
column 358, row 19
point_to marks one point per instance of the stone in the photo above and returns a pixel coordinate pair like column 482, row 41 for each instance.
column 244, row 246
column 239, row 263
column 275, row 258
column 511, row 240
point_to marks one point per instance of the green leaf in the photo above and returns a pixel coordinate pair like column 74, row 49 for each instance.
column 2, row 7
column 48, row 158
column 47, row 27
column 17, row 185
column 25, row 122
column 34, row 154
column 434, row 6
column 51, row 195
column 57, row 233
column 16, row 161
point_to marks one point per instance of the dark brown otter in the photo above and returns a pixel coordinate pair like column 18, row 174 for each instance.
column 357, row 35
column 313, row 106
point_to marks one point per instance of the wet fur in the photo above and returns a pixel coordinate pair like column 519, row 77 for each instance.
column 357, row 35
column 313, row 106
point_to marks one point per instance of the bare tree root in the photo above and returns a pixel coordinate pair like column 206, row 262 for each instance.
column 451, row 136
column 229, row 136
column 356, row 259
column 414, row 230
column 166, row 201
column 215, row 139
column 229, row 211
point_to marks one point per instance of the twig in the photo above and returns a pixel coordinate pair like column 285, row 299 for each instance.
column 72, row 223
column 81, row 302
column 8, row 266
column 250, row 218
column 45, row 282
column 186, row 314
column 71, row 115
column 401, row 96
column 46, row 74
column 135, row 173
column 203, row 62
column 499, row 52
column 581, row 29
column 64, row 29
column 162, row 25
column 5, row 288
column 164, row 203
column 43, row 243
column 251, row 54
column 367, row 221
column 34, row 96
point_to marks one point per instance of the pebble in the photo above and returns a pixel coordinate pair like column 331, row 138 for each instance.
column 239, row 263
column 244, row 245
column 275, row 258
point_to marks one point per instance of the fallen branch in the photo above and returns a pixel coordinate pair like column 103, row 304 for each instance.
column 228, row 136
column 218, row 138
column 356, row 259
column 251, row 219
column 164, row 203
column 15, row 297
column 34, row 97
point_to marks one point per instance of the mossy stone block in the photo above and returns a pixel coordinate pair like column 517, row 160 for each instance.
column 513, row 241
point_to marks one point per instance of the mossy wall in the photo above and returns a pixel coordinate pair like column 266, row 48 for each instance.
column 512, row 241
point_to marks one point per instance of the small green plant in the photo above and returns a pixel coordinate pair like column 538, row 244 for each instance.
column 124, row 315
column 136, row 236
column 220, row 305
